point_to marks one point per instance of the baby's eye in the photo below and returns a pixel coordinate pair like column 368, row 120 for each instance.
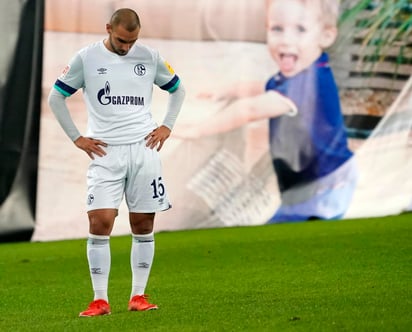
column 276, row 28
column 301, row 28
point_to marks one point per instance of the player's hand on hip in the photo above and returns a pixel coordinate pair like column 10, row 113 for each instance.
column 157, row 137
column 91, row 146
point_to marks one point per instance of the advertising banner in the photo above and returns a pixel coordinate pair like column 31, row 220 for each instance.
column 294, row 111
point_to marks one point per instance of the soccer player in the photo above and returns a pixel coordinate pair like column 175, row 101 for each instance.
column 308, row 143
column 123, row 141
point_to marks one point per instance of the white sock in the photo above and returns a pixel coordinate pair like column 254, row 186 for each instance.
column 141, row 259
column 98, row 256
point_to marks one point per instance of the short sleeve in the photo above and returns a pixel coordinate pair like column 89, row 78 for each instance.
column 166, row 77
column 72, row 77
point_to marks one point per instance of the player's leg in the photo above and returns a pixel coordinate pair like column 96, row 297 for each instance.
column 141, row 259
column 98, row 249
column 99, row 259
column 105, row 179
column 142, row 252
column 145, row 194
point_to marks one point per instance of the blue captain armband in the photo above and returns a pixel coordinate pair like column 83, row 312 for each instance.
column 172, row 85
column 64, row 89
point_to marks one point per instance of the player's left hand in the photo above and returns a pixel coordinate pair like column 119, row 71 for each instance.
column 157, row 137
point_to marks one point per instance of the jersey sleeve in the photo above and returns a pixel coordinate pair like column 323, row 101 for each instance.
column 72, row 77
column 166, row 78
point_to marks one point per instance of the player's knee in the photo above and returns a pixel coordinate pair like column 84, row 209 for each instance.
column 101, row 223
column 142, row 227
column 100, row 228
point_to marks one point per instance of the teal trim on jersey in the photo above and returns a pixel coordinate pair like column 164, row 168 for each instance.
column 65, row 93
column 67, row 90
column 174, row 87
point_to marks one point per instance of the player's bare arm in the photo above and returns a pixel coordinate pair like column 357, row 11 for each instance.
column 91, row 146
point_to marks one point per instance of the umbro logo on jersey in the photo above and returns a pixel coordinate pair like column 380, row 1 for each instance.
column 140, row 70
column 102, row 71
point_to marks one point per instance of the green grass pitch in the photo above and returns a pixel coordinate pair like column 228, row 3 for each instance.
column 351, row 275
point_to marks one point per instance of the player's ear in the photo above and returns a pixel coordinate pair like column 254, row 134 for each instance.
column 328, row 37
column 108, row 28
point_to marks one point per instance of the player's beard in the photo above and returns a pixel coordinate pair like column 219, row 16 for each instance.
column 115, row 49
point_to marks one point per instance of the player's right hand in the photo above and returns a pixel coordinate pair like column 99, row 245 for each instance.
column 91, row 146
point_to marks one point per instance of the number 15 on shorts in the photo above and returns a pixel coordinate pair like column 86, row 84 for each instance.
column 158, row 188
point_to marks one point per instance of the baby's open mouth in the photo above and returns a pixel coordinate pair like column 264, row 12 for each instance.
column 287, row 62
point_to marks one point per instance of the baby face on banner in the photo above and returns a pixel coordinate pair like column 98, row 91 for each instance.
column 297, row 33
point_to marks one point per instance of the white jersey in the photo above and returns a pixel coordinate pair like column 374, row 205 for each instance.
column 117, row 90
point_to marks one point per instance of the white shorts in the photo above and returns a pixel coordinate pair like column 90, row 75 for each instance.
column 132, row 170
